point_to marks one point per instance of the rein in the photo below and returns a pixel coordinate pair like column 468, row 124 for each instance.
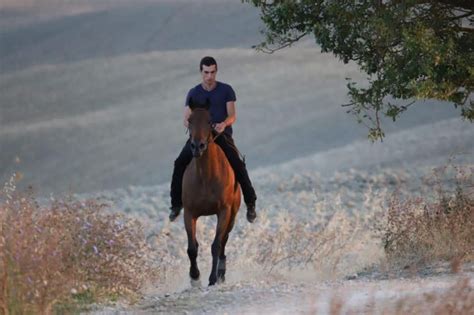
column 242, row 157
column 188, row 131
column 217, row 135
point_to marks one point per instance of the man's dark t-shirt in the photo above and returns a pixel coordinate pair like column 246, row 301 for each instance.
column 218, row 99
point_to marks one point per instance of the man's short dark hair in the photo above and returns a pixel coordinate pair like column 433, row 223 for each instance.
column 207, row 61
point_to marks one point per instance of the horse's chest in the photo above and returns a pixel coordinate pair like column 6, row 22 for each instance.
column 202, row 194
column 207, row 187
column 203, row 190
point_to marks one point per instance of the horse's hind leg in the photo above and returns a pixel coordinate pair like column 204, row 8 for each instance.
column 222, row 224
column 221, row 267
column 222, row 261
column 190, row 224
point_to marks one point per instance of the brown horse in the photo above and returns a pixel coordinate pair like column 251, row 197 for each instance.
column 209, row 188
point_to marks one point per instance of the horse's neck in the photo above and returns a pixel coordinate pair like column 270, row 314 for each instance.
column 208, row 163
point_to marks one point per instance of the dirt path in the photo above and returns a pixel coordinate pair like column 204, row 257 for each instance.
column 287, row 296
column 307, row 219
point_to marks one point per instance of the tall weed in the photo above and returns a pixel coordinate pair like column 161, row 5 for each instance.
column 433, row 227
column 66, row 249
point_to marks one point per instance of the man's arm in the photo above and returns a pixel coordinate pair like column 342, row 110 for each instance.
column 231, row 117
column 186, row 114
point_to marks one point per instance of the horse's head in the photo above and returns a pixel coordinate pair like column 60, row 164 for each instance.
column 200, row 127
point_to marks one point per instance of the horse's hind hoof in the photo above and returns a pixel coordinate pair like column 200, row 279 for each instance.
column 221, row 269
column 251, row 215
column 212, row 280
column 221, row 275
column 221, row 278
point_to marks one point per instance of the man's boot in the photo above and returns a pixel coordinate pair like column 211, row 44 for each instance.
column 251, row 214
column 175, row 212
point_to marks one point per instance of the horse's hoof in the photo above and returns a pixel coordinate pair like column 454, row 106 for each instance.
column 212, row 280
column 221, row 278
column 194, row 274
column 221, row 274
column 251, row 216
column 221, row 269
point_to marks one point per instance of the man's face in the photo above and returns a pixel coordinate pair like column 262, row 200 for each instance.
column 209, row 74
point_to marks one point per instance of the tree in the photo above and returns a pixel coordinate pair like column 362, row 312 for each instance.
column 410, row 49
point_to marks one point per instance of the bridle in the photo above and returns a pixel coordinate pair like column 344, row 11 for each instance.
column 210, row 138
column 216, row 136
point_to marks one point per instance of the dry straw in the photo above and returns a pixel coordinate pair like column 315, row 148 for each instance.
column 60, row 253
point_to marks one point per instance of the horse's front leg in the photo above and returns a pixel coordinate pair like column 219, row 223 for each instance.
column 222, row 224
column 190, row 224
column 221, row 266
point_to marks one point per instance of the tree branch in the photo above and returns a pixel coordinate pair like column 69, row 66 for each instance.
column 461, row 16
column 465, row 4
column 466, row 29
column 288, row 43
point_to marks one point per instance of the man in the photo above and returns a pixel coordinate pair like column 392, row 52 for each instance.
column 222, row 108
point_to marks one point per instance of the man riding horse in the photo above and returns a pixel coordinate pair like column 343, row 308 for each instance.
column 222, row 99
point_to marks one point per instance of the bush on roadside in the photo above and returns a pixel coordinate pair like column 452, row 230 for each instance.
column 65, row 251
column 423, row 229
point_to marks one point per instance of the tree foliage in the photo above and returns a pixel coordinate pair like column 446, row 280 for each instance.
column 410, row 49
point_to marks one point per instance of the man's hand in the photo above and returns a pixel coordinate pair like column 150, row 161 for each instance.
column 186, row 115
column 220, row 127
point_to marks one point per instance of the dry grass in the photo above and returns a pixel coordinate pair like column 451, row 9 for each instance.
column 290, row 242
column 426, row 229
column 326, row 245
column 65, row 252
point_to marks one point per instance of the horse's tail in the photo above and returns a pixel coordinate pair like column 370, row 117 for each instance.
column 236, row 185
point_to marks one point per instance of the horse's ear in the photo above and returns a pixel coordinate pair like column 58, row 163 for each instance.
column 191, row 104
column 208, row 104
